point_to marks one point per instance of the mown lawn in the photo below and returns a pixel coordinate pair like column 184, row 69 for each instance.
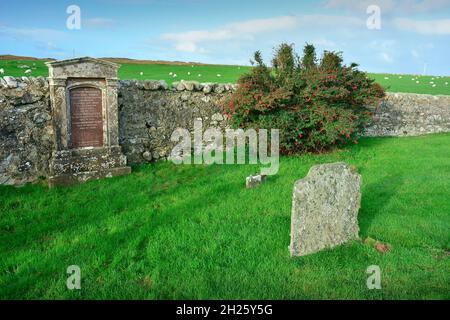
column 230, row 74
column 195, row 232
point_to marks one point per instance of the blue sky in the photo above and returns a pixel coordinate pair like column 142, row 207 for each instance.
column 414, row 33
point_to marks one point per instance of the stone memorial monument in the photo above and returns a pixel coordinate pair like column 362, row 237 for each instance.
column 325, row 209
column 83, row 95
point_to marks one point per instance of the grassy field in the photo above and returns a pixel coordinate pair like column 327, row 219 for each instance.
column 191, row 232
column 209, row 73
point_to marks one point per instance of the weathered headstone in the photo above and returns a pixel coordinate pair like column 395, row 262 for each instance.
column 83, row 95
column 325, row 209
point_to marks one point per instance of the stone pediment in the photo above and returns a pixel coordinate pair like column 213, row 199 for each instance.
column 83, row 68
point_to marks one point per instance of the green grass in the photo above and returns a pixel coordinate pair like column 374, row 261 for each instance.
column 195, row 232
column 230, row 74
column 405, row 83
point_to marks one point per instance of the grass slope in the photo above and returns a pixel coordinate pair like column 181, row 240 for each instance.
column 191, row 232
column 231, row 73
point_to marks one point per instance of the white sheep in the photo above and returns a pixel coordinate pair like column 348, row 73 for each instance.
column 2, row 71
column 29, row 71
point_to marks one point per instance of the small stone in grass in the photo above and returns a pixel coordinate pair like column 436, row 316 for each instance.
column 254, row 181
column 381, row 247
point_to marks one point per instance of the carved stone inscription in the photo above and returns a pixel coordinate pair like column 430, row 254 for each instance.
column 86, row 117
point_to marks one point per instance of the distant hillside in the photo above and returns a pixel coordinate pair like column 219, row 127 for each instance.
column 133, row 61
column 116, row 60
column 13, row 57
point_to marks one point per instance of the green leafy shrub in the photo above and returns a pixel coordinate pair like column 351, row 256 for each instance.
column 316, row 105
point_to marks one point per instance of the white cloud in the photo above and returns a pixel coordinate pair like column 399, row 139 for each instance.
column 98, row 22
column 324, row 43
column 427, row 27
column 386, row 57
column 428, row 5
column 360, row 5
column 384, row 45
column 384, row 50
column 190, row 41
column 389, row 6
column 36, row 34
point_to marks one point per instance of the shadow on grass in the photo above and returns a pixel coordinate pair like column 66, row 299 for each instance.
column 375, row 197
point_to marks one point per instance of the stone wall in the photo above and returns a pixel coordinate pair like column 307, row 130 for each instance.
column 406, row 114
column 149, row 111
column 26, row 131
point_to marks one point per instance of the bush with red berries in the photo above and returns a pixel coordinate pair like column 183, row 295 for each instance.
column 315, row 104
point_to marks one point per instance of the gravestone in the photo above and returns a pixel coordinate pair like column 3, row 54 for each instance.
column 83, row 95
column 325, row 209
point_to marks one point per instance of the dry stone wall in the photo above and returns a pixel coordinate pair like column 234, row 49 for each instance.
column 406, row 114
column 26, row 132
column 149, row 111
